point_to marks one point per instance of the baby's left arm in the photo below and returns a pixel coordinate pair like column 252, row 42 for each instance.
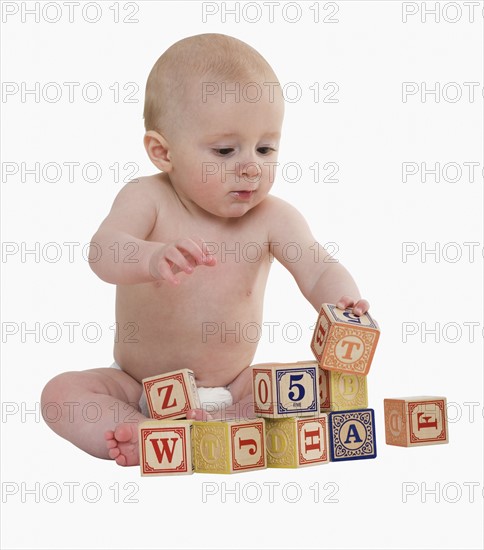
column 320, row 277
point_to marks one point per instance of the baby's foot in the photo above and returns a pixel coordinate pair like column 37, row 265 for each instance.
column 123, row 444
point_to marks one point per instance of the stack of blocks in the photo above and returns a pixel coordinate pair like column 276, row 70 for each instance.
column 316, row 411
column 168, row 445
column 309, row 412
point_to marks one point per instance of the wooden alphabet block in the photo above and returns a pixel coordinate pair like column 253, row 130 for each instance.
column 352, row 435
column 294, row 442
column 165, row 447
column 415, row 421
column 344, row 342
column 286, row 389
column 229, row 447
column 171, row 395
column 340, row 391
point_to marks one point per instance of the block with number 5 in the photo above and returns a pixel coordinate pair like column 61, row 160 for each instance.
column 343, row 341
column 286, row 389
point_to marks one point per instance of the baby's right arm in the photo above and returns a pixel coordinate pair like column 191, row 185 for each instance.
column 120, row 254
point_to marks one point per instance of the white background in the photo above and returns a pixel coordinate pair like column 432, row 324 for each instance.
column 369, row 213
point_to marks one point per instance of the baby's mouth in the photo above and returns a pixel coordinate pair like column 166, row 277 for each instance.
column 243, row 194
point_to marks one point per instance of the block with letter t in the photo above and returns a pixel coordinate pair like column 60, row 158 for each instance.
column 229, row 447
column 352, row 435
column 415, row 421
column 286, row 389
column 294, row 442
column 165, row 447
column 343, row 341
column 171, row 395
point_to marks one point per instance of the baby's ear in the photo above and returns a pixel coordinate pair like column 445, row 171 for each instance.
column 158, row 150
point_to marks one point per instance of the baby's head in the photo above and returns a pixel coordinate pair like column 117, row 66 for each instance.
column 213, row 116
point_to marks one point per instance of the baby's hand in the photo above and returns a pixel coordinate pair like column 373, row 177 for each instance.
column 359, row 308
column 181, row 255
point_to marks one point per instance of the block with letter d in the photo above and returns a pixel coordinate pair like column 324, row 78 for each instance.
column 171, row 395
column 352, row 435
column 165, row 447
column 343, row 341
column 286, row 389
column 294, row 442
column 229, row 447
column 415, row 421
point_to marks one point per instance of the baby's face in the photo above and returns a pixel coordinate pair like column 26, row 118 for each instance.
column 225, row 152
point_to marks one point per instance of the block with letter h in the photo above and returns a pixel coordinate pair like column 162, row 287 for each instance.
column 165, row 447
column 286, row 389
column 229, row 447
column 294, row 442
column 171, row 395
column 343, row 341
column 416, row 421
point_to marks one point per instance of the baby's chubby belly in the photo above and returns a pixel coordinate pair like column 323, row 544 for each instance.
column 207, row 324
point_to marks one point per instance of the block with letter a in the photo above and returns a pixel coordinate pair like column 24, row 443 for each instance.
column 165, row 447
column 416, row 421
column 229, row 447
column 343, row 341
column 286, row 389
column 352, row 435
column 295, row 442
column 171, row 395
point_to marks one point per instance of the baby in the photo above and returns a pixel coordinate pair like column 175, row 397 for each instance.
column 213, row 117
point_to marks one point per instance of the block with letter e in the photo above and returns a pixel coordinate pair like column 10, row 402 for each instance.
column 286, row 389
column 165, row 447
column 294, row 442
column 343, row 341
column 415, row 421
column 171, row 395
column 229, row 447
column 352, row 435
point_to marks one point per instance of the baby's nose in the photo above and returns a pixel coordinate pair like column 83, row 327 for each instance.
column 252, row 169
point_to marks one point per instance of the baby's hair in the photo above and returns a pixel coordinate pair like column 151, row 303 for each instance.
column 211, row 56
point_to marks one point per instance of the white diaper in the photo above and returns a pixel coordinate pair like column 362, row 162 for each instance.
column 211, row 399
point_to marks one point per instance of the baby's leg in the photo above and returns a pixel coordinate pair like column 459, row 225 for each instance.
column 99, row 412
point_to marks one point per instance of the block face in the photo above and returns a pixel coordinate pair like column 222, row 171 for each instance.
column 297, row 391
column 211, row 449
column 248, row 445
column 395, row 424
column 263, row 391
column 427, row 422
column 348, row 391
column 343, row 341
column 171, row 395
column 313, row 441
column 281, row 443
column 352, row 435
column 165, row 448
column 416, row 421
column 324, row 389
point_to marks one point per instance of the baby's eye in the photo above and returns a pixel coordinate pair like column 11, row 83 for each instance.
column 265, row 150
column 224, row 151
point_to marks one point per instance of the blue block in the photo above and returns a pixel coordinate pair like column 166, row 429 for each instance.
column 297, row 390
column 352, row 435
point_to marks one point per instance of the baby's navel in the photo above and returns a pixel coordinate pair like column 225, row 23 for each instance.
column 249, row 292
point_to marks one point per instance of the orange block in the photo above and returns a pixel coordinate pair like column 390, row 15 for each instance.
column 415, row 421
column 344, row 342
